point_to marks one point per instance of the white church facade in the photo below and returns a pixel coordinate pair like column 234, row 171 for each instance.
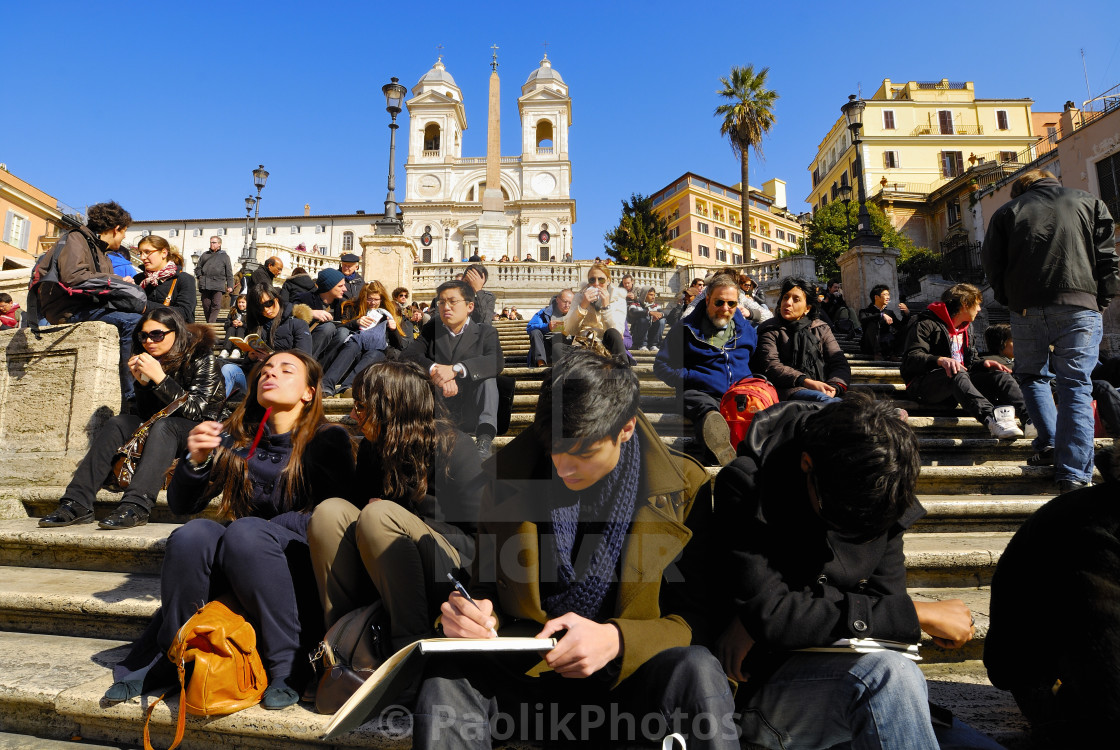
column 442, row 207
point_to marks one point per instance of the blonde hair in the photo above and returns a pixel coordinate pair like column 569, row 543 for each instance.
column 1028, row 178
column 601, row 267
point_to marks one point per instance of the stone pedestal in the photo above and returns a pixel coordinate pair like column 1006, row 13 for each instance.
column 865, row 266
column 55, row 393
column 799, row 266
column 493, row 234
column 388, row 259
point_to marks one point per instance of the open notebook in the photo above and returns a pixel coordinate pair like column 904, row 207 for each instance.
column 867, row 645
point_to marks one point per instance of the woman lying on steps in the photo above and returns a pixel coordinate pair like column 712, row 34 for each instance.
column 168, row 359
column 274, row 461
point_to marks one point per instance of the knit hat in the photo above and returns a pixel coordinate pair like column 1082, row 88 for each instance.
column 328, row 279
column 349, row 258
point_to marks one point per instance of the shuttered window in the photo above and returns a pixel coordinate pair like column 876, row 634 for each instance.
column 888, row 119
column 952, row 163
column 1001, row 119
column 945, row 121
column 1108, row 179
column 17, row 229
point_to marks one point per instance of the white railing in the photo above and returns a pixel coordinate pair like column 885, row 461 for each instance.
column 544, row 150
column 430, row 152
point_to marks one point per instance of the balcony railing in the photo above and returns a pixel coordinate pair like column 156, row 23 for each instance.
column 544, row 151
column 430, row 152
column 957, row 130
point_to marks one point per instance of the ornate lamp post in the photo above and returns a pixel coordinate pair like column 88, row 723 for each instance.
column 394, row 95
column 805, row 220
column 249, row 253
column 844, row 193
column 249, row 203
column 853, row 111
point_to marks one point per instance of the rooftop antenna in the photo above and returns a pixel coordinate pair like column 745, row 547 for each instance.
column 494, row 61
column 1088, row 92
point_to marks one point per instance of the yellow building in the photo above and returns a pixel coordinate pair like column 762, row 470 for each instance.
column 918, row 137
column 705, row 224
column 29, row 217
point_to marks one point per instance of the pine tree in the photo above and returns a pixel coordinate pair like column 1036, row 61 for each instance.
column 641, row 237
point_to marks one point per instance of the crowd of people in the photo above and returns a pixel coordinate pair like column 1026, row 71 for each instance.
column 664, row 589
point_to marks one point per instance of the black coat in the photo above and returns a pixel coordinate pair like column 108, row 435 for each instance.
column 927, row 340
column 286, row 332
column 200, row 377
column 479, row 349
column 1052, row 245
column 353, row 286
column 795, row 582
column 262, row 276
column 214, row 271
column 295, row 286
column 184, row 295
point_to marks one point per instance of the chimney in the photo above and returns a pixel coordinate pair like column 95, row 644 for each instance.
column 306, row 209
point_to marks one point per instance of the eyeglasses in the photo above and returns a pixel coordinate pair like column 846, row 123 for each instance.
column 728, row 302
column 156, row 336
column 749, row 286
column 146, row 253
column 448, row 302
column 597, row 280
column 267, row 303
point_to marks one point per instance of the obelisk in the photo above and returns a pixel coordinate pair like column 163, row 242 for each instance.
column 493, row 228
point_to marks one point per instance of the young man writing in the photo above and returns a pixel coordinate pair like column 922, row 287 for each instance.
column 577, row 539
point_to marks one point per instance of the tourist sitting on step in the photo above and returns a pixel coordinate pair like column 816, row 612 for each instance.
column 300, row 282
column 546, row 330
column 843, row 319
column 578, row 540
column 476, row 275
column 884, row 331
column 327, row 333
column 463, row 358
column 676, row 310
column 274, row 461
column 797, row 352
column 281, row 328
column 374, row 329
column 807, row 550
column 1000, row 345
column 10, row 313
column 1054, row 637
column 419, row 484
column 751, row 305
column 601, row 309
column 941, row 367
column 235, row 324
column 647, row 320
column 169, row 358
column 703, row 356
column 163, row 279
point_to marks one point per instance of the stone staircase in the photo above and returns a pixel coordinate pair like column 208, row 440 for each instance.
column 72, row 599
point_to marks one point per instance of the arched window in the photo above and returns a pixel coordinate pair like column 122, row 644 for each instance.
column 470, row 194
column 347, row 242
column 431, row 137
column 544, row 134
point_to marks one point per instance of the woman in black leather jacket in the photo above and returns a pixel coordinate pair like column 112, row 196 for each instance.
column 169, row 358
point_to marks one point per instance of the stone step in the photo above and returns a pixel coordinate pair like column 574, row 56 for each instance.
column 52, row 686
column 954, row 513
column 10, row 741
column 953, row 560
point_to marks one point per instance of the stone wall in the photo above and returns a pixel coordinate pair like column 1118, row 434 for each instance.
column 55, row 393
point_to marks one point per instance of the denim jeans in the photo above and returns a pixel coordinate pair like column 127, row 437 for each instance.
column 808, row 394
column 125, row 323
column 817, row 701
column 234, row 375
column 1075, row 333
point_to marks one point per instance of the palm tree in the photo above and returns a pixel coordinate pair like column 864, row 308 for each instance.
column 747, row 116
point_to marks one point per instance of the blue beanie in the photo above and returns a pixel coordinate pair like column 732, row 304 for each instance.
column 328, row 279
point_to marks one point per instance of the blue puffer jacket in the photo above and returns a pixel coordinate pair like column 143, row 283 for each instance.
column 688, row 362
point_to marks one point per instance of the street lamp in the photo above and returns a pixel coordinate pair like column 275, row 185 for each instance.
column 853, row 112
column 249, row 203
column 249, row 254
column 805, row 220
column 447, row 242
column 394, row 95
column 844, row 193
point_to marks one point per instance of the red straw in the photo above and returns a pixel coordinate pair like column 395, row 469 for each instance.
column 260, row 431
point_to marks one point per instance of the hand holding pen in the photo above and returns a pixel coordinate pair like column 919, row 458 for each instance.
column 465, row 617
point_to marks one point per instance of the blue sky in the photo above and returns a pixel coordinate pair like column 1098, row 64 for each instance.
column 167, row 108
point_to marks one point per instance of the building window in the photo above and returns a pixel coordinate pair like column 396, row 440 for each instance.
column 674, row 233
column 220, row 232
column 148, row 233
column 844, row 180
column 737, row 238
column 779, row 234
column 1001, row 120
column 754, row 244
column 431, row 137
column 1052, row 134
column 766, row 247
column 172, row 232
column 702, row 208
column 347, row 242
column 702, row 227
column 320, row 228
column 295, row 229
column 270, row 230
column 733, row 219
column 890, row 159
column 953, row 210
column 945, row 121
column 1007, row 156
column 1108, row 182
column 736, row 259
column 888, row 119
column 196, row 233
column 17, row 229
column 952, row 164
column 721, row 233
column 721, row 255
column 542, row 252
column 703, row 251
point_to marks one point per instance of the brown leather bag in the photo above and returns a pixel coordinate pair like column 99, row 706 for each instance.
column 351, row 651
column 128, row 455
column 228, row 673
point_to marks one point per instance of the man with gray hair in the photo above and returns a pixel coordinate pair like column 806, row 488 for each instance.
column 214, row 273
column 1050, row 254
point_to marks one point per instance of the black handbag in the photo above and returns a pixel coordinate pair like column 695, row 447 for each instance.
column 349, row 653
column 123, row 466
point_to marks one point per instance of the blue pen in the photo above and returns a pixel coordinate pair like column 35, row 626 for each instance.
column 462, row 590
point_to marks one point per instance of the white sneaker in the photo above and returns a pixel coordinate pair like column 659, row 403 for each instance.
column 224, row 354
column 644, row 349
column 1029, row 430
column 1002, row 423
column 235, row 354
column 653, row 349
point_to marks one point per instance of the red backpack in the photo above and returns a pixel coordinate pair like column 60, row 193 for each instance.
column 740, row 403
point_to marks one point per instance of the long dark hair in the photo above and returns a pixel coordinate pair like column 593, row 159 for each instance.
column 230, row 470
column 810, row 291
column 254, row 310
column 181, row 350
column 402, row 413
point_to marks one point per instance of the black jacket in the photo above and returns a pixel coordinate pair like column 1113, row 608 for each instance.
column 451, row 505
column 926, row 340
column 214, row 271
column 295, row 286
column 286, row 332
column 262, row 276
column 200, row 376
column 353, row 286
column 479, row 349
column 1052, row 245
column 184, row 295
column 794, row 581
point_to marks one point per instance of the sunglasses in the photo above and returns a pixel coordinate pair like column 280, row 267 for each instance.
column 598, row 280
column 269, row 303
column 728, row 302
column 156, row 336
